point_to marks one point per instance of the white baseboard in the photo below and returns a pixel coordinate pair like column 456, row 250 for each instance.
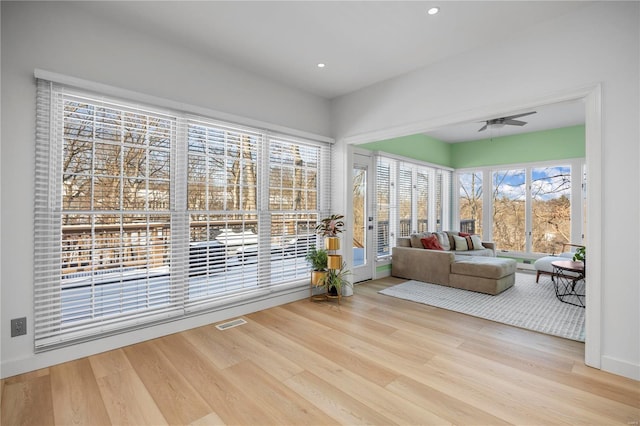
column 620, row 367
column 40, row 360
column 382, row 274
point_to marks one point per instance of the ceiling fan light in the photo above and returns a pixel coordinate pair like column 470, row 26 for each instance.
column 495, row 125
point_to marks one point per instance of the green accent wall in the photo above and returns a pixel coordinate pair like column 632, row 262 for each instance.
column 419, row 147
column 383, row 268
column 545, row 145
column 557, row 144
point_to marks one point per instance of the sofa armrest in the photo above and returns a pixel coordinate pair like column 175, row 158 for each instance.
column 490, row 245
column 432, row 266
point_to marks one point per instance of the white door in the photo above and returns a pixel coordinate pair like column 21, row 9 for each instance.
column 363, row 259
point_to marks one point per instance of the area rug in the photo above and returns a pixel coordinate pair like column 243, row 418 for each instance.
column 526, row 305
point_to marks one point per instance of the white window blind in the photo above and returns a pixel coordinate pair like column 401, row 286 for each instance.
column 222, row 201
column 440, row 180
column 295, row 170
column 384, row 207
column 420, row 201
column 144, row 214
column 405, row 199
column 422, row 193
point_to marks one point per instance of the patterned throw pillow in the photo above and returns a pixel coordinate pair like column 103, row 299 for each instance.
column 477, row 242
column 461, row 243
column 431, row 243
column 443, row 239
column 468, row 242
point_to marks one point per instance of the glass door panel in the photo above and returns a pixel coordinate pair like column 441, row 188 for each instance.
column 359, row 215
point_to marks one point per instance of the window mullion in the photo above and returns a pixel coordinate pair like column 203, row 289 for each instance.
column 528, row 210
column 487, row 204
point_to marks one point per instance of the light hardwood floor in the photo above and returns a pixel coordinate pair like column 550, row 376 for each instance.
column 372, row 359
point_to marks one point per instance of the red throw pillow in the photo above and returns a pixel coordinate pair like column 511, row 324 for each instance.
column 464, row 234
column 431, row 243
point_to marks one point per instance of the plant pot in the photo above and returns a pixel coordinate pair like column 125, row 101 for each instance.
column 332, row 243
column 347, row 291
column 332, row 291
column 316, row 276
column 334, row 261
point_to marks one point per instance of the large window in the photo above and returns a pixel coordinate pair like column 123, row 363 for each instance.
column 550, row 208
column 411, row 197
column 470, row 202
column 144, row 214
column 529, row 207
column 509, row 196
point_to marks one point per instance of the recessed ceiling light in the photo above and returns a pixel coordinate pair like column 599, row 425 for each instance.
column 321, row 65
column 433, row 10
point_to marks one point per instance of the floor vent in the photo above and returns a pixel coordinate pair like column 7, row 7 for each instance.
column 231, row 324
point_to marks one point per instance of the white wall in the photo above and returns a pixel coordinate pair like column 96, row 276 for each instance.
column 597, row 44
column 57, row 37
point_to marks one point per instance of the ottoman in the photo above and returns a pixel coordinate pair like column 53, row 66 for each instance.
column 543, row 265
column 490, row 275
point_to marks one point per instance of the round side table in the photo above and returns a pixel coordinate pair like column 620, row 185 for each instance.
column 569, row 287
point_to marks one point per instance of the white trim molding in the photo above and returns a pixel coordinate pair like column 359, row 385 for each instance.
column 591, row 95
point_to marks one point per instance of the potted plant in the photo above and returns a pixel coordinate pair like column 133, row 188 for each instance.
column 330, row 226
column 335, row 280
column 318, row 260
column 580, row 254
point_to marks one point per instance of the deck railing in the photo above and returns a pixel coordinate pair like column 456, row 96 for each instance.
column 131, row 245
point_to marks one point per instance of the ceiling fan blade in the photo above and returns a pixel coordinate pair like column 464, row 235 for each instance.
column 515, row 122
column 519, row 115
column 483, row 128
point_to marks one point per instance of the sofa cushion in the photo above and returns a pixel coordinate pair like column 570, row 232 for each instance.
column 431, row 243
column 461, row 243
column 443, row 239
column 468, row 242
column 487, row 252
column 485, row 267
column 477, row 242
column 450, row 235
column 416, row 239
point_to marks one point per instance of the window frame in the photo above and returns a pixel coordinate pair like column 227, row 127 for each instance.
column 438, row 186
column 577, row 195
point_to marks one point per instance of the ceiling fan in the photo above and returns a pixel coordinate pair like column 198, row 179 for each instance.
column 497, row 123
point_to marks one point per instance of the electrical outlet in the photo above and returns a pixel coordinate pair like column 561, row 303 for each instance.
column 18, row 326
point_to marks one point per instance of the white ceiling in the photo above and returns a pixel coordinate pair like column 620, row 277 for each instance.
column 361, row 42
column 553, row 116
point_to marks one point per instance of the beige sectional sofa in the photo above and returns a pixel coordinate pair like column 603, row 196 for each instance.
column 477, row 269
